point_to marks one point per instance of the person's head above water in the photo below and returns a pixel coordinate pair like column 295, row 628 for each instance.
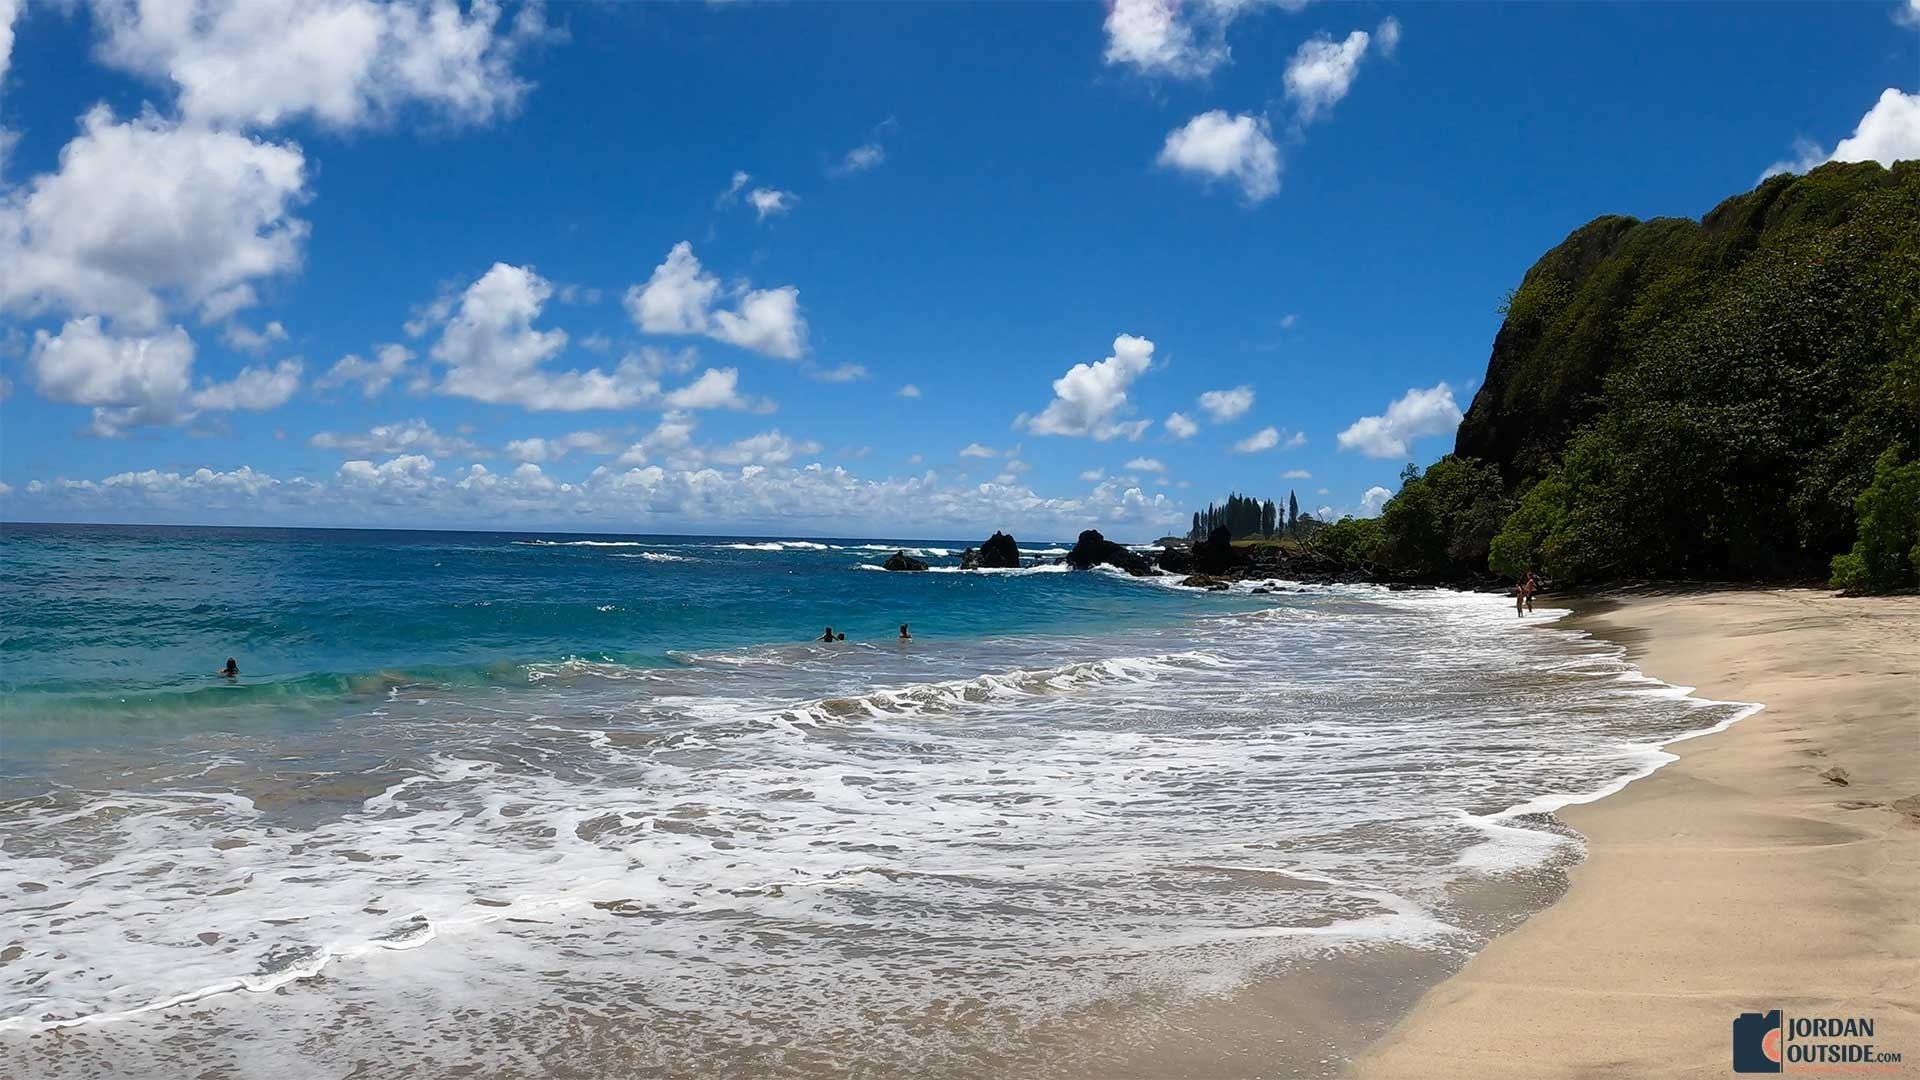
column 903, row 631
column 828, row 635
column 232, row 668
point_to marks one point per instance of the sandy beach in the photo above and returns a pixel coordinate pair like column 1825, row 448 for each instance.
column 1744, row 876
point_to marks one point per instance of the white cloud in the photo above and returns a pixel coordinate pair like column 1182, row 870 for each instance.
column 1265, row 439
column 1219, row 147
column 1090, row 398
column 406, row 437
column 1416, row 414
column 975, row 450
column 1151, row 37
column 1147, row 464
column 684, row 489
column 1889, row 132
column 9, row 11
column 136, row 380
column 1093, row 476
column 770, row 202
column 493, row 353
column 862, row 158
column 344, row 63
column 247, row 339
column 145, row 213
column 843, row 373
column 909, row 391
column 679, row 299
column 1387, row 36
column 374, row 376
column 1180, row 427
column 542, row 450
column 1296, row 474
column 1322, row 71
column 1371, row 502
column 1225, row 405
column 253, row 389
column 716, row 388
column 1908, row 14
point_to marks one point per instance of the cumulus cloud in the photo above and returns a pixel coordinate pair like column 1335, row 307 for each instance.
column 1217, row 147
column 1180, row 427
column 774, row 486
column 1374, row 498
column 342, row 63
column 1225, row 405
column 1090, row 399
column 406, row 437
column 134, row 380
column 247, row 339
column 770, row 202
column 909, row 391
column 1417, row 413
column 253, row 389
column 1908, row 14
column 493, row 352
column 1296, row 474
column 1889, row 132
column 146, row 213
column 1265, row 439
column 716, row 388
column 373, row 376
column 1152, row 37
column 1322, row 70
column 541, row 450
column 1147, row 464
column 679, row 298
column 975, row 450
column 9, row 11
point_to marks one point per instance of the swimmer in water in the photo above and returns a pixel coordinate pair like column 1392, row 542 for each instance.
column 904, row 636
column 828, row 636
column 232, row 670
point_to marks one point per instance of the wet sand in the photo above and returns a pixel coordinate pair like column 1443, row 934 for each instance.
column 1744, row 876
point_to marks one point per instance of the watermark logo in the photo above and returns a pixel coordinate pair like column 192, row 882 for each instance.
column 1813, row 1045
column 1756, row 1042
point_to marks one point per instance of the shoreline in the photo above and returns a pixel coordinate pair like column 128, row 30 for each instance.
column 1734, row 878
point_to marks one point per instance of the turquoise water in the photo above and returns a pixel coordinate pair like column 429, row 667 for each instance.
column 522, row 806
column 115, row 623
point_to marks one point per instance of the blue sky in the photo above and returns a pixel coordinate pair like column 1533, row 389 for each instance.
column 1275, row 233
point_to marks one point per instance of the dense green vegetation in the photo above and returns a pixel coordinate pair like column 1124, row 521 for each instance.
column 1244, row 517
column 1722, row 399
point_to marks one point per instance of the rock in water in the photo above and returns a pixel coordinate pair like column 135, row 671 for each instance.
column 900, row 560
column 1093, row 549
column 1216, row 554
column 970, row 559
column 1000, row 552
column 1176, row 559
column 1211, row 584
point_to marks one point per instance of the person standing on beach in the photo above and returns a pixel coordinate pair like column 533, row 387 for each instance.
column 1532, row 586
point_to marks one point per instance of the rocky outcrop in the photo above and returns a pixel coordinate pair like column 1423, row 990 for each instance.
column 900, row 560
column 1176, row 558
column 999, row 552
column 1217, row 555
column 1092, row 549
column 1207, row 582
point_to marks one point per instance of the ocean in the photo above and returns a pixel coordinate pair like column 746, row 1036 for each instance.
column 506, row 804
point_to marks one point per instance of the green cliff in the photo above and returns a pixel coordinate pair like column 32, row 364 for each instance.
column 1681, row 399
